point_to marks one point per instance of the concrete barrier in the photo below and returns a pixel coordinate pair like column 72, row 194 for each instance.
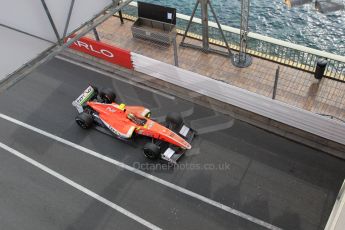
column 278, row 111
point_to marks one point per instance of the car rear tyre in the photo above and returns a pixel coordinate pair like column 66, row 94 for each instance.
column 152, row 151
column 108, row 96
column 84, row 120
column 95, row 88
column 174, row 119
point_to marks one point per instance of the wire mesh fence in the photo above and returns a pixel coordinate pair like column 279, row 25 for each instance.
column 264, row 47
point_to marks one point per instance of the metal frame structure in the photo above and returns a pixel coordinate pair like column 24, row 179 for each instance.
column 62, row 42
column 205, row 33
column 51, row 21
column 68, row 17
column 242, row 59
column 323, row 6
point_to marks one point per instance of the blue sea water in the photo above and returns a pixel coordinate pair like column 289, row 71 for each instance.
column 300, row 25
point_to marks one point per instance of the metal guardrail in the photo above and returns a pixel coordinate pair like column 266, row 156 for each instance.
column 272, row 49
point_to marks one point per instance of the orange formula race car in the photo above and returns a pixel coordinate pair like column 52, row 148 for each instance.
column 168, row 140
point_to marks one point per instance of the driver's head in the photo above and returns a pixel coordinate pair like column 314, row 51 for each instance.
column 122, row 107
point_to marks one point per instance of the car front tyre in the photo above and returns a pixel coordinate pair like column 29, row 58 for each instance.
column 152, row 151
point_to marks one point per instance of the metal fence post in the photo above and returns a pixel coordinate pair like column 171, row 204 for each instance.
column 275, row 83
column 96, row 34
column 120, row 14
column 175, row 52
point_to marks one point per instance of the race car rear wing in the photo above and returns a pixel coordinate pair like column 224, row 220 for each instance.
column 87, row 95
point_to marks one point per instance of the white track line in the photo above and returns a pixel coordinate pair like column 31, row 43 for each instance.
column 144, row 174
column 134, row 83
column 79, row 187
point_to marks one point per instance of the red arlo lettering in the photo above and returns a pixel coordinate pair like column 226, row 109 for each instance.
column 103, row 51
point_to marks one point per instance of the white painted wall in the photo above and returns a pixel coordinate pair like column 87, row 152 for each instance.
column 84, row 10
column 30, row 17
column 17, row 49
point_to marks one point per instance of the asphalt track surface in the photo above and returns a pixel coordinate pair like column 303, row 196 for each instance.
column 258, row 175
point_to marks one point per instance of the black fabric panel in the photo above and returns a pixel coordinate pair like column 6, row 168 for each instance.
column 156, row 12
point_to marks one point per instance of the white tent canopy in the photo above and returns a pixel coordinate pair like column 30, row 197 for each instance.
column 28, row 28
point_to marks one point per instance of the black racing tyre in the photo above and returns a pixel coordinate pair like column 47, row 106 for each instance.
column 95, row 88
column 152, row 151
column 174, row 119
column 108, row 95
column 84, row 120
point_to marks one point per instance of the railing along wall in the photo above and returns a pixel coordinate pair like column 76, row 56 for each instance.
column 268, row 48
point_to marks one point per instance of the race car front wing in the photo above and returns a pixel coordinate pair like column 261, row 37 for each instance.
column 172, row 153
